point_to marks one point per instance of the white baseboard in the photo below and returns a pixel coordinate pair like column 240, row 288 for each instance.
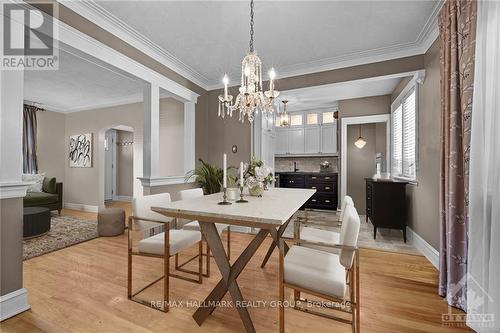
column 13, row 303
column 82, row 207
column 123, row 198
column 425, row 248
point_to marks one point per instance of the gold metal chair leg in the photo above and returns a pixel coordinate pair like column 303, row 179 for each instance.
column 229, row 243
column 281, row 287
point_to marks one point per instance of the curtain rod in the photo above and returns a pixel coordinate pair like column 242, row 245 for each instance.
column 38, row 106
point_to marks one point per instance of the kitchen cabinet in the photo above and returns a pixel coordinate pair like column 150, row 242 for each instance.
column 308, row 136
column 296, row 140
column 329, row 138
column 312, row 140
column 325, row 185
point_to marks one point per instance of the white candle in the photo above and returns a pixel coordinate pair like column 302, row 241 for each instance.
column 225, row 81
column 224, row 167
column 241, row 174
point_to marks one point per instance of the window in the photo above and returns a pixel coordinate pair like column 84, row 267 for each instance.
column 404, row 137
column 328, row 117
column 296, row 120
column 312, row 119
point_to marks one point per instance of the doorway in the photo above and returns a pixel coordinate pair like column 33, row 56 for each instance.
column 119, row 161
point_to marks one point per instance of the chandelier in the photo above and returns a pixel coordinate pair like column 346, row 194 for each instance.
column 283, row 117
column 251, row 97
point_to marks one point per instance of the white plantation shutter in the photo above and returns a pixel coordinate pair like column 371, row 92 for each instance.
column 409, row 131
column 397, row 141
column 404, row 137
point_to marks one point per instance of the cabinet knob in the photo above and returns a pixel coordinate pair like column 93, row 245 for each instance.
column 327, row 201
column 327, row 177
column 314, row 187
column 313, row 200
column 327, row 187
column 313, row 177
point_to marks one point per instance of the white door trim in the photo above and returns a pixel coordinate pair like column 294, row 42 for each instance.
column 13, row 303
column 380, row 118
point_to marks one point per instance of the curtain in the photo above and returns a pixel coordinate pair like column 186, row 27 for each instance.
column 457, row 26
column 30, row 164
column 483, row 292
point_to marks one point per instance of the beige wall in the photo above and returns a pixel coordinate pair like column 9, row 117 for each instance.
column 11, row 246
column 366, row 106
column 423, row 198
column 51, row 151
column 124, row 164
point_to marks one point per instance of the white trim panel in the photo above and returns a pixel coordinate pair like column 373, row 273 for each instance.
column 13, row 303
column 162, row 181
column 9, row 190
column 425, row 248
column 81, row 207
column 123, row 198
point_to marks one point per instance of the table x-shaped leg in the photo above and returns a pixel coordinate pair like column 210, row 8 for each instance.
column 229, row 275
column 276, row 235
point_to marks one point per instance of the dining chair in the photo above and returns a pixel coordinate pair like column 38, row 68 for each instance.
column 308, row 229
column 194, row 225
column 323, row 274
column 151, row 235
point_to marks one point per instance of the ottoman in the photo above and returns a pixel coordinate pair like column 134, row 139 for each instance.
column 36, row 221
column 110, row 221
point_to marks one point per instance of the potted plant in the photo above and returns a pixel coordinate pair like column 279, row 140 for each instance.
column 209, row 177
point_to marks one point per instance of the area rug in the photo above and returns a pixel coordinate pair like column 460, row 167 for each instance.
column 387, row 239
column 64, row 231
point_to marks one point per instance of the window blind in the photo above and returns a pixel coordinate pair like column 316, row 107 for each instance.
column 404, row 137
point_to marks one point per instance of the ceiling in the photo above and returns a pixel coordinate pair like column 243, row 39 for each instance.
column 79, row 85
column 205, row 39
column 328, row 95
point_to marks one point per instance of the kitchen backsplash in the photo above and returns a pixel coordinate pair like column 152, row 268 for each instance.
column 305, row 164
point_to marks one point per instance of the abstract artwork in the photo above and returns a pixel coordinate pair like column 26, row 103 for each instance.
column 80, row 151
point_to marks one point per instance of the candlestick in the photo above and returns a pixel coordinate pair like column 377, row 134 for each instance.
column 241, row 200
column 224, row 167
column 224, row 198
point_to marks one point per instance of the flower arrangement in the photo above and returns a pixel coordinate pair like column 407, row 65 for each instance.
column 257, row 176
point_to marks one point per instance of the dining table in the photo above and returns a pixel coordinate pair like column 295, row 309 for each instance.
column 270, row 214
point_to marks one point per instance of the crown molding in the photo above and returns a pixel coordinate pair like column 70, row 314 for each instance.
column 95, row 13
column 98, row 15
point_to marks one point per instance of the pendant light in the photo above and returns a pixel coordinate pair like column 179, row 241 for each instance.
column 360, row 142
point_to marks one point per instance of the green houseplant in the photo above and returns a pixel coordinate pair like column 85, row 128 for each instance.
column 209, row 177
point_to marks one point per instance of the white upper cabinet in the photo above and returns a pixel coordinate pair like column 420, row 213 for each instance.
column 312, row 140
column 281, row 141
column 329, row 138
column 296, row 141
column 311, row 132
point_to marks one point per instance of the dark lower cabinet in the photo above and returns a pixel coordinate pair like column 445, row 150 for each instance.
column 325, row 185
column 386, row 204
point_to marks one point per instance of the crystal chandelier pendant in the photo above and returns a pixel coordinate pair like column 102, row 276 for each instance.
column 251, row 98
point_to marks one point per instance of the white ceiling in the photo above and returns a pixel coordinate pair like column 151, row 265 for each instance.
column 205, row 39
column 328, row 95
column 79, row 85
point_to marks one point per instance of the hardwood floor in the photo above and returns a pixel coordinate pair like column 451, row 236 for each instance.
column 83, row 288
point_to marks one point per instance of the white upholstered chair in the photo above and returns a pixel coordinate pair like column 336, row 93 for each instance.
column 307, row 229
column 194, row 225
column 148, row 233
column 331, row 276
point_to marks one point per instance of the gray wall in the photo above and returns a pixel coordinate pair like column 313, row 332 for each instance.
column 423, row 198
column 361, row 162
column 124, row 164
column 11, row 246
column 51, row 144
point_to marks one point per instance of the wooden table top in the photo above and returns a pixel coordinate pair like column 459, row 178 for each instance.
column 274, row 208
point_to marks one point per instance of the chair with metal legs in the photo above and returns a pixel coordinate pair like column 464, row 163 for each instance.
column 194, row 225
column 151, row 236
column 323, row 274
column 307, row 229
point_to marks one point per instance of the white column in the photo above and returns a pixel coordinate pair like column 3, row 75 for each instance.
column 189, row 136
column 151, row 144
column 11, row 131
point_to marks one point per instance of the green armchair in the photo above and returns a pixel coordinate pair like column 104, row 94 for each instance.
column 51, row 196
